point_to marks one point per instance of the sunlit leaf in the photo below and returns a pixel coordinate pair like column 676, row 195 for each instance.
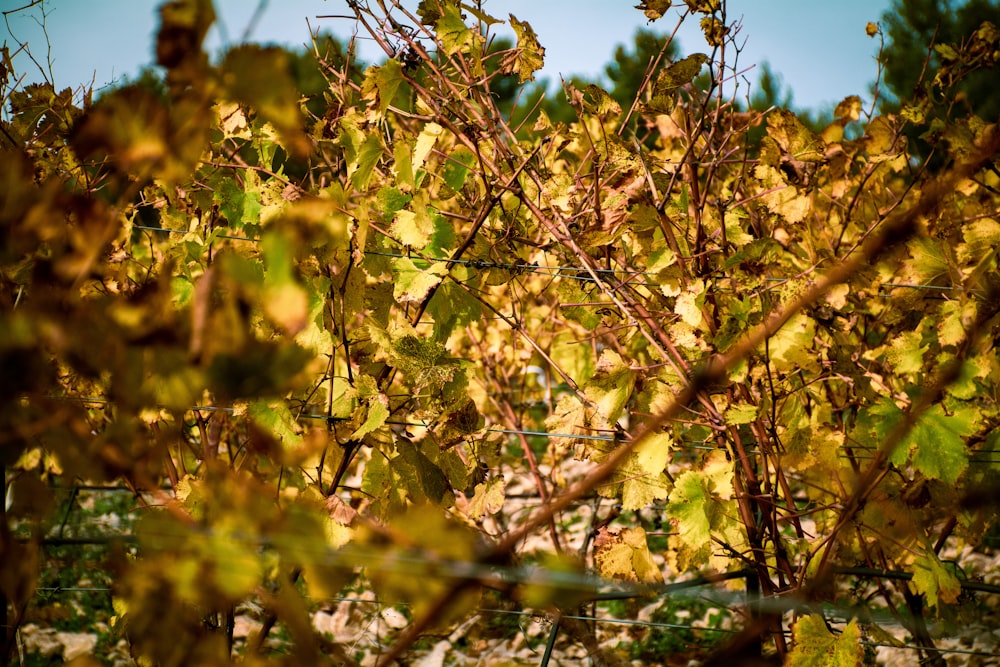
column 625, row 555
column 452, row 31
column 413, row 283
column 654, row 9
column 938, row 442
column 934, row 580
column 611, row 385
column 380, row 86
column 530, row 56
column 488, row 497
column 815, row 646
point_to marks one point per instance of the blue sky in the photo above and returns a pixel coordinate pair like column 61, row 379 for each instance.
column 819, row 48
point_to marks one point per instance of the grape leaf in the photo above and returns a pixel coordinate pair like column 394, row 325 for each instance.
column 380, row 85
column 688, row 504
column 260, row 76
column 530, row 54
column 639, row 488
column 285, row 301
column 782, row 198
column 625, row 555
column 611, row 385
column 413, row 228
column 276, row 419
column 816, row 646
column 412, row 283
column 744, row 413
column 239, row 205
column 938, row 442
column 793, row 137
column 488, row 498
column 452, row 31
column 375, row 418
column 654, row 9
column 425, row 142
column 906, row 353
column 935, row 581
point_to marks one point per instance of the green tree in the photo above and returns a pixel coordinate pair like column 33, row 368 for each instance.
column 940, row 64
column 915, row 27
column 630, row 67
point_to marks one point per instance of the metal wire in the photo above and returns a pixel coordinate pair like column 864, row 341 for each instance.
column 588, row 619
column 571, row 272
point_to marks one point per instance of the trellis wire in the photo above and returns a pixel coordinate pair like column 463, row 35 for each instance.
column 571, row 272
column 702, row 445
column 461, row 569
column 590, row 619
column 673, row 590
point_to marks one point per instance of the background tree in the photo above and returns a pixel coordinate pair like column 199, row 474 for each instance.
column 628, row 70
column 924, row 36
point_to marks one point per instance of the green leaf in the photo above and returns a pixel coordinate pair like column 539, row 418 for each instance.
column 701, row 504
column 816, row 646
column 390, row 200
column 452, row 307
column 433, row 483
column 744, row 413
column 906, row 353
column 688, row 504
column 530, row 54
column 938, row 442
column 380, row 86
column 240, row 205
column 360, row 169
column 452, row 31
column 361, row 149
column 611, row 385
column 672, row 78
column 378, row 413
column 412, row 283
column 570, row 292
column 286, row 302
column 276, row 419
column 935, row 581
column 456, row 169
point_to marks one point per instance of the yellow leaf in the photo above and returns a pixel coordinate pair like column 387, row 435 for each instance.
column 625, row 555
column 287, row 305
